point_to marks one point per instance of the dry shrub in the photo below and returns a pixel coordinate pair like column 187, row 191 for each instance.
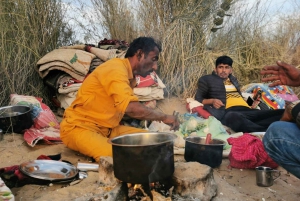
column 253, row 35
column 28, row 30
column 182, row 26
column 254, row 40
column 117, row 18
column 95, row 20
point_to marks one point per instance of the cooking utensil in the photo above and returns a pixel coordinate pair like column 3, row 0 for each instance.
column 49, row 170
column 209, row 154
column 87, row 166
column 15, row 118
column 265, row 176
column 143, row 157
column 208, row 138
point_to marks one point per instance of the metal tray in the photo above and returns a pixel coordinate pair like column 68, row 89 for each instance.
column 49, row 170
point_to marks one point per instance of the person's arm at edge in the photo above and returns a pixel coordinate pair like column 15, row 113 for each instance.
column 295, row 112
column 139, row 111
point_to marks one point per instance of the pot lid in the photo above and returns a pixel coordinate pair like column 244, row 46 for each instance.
column 49, row 170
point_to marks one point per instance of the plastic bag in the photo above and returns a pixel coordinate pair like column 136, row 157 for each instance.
column 194, row 125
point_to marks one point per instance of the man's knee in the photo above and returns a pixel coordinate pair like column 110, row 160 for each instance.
column 232, row 117
column 275, row 130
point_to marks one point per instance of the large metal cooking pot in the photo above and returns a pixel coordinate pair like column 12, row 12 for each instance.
column 15, row 118
column 141, row 158
column 208, row 154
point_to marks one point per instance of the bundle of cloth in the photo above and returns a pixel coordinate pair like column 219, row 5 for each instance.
column 65, row 69
column 149, row 88
column 264, row 97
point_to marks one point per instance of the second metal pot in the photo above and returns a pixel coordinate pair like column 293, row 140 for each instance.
column 143, row 157
column 15, row 118
column 208, row 154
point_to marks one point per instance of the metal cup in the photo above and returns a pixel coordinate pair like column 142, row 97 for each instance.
column 1, row 134
column 265, row 176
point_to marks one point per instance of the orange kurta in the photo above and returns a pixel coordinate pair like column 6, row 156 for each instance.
column 98, row 109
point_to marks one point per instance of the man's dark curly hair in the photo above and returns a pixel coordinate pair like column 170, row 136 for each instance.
column 146, row 44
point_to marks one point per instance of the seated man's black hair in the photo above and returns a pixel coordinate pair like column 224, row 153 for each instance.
column 224, row 60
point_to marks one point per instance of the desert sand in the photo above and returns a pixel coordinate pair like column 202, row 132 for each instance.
column 233, row 184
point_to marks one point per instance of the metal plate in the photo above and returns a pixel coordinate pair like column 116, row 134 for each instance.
column 49, row 170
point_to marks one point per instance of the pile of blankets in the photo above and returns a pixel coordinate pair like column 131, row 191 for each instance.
column 65, row 69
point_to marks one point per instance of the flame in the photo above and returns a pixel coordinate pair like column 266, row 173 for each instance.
column 137, row 186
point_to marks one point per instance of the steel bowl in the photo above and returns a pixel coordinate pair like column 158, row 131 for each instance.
column 15, row 118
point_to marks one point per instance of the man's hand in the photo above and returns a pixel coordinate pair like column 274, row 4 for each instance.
column 282, row 74
column 217, row 103
column 286, row 116
column 172, row 121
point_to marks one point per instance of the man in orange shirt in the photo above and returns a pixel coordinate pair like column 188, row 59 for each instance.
column 105, row 96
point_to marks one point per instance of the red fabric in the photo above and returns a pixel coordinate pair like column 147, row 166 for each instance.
column 201, row 112
column 48, row 135
column 149, row 80
column 247, row 152
column 43, row 157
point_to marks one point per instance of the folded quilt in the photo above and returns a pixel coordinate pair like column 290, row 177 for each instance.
column 78, row 47
column 65, row 68
column 75, row 59
column 149, row 93
column 106, row 55
column 68, row 89
column 52, row 78
column 66, row 99
column 43, row 68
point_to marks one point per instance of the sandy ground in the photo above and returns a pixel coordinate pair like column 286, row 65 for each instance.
column 233, row 184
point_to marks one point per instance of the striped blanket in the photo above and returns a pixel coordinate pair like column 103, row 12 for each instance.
column 273, row 97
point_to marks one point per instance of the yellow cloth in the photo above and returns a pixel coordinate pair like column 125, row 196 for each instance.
column 99, row 106
column 233, row 98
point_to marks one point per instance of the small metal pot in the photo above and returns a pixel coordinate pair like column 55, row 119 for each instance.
column 143, row 157
column 15, row 118
column 209, row 154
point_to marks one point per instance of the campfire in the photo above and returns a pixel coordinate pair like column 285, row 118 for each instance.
column 190, row 180
column 143, row 192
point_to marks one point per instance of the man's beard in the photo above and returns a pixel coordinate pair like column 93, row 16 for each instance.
column 223, row 75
